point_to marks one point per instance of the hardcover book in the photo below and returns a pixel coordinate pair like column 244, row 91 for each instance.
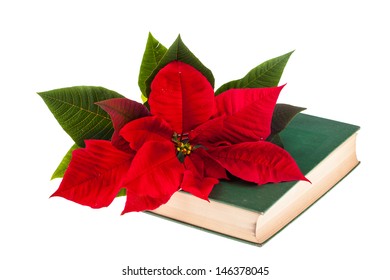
column 324, row 149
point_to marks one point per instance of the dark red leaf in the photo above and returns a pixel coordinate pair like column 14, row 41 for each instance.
column 122, row 111
column 155, row 174
column 283, row 114
column 95, row 174
column 146, row 129
column 182, row 96
column 259, row 162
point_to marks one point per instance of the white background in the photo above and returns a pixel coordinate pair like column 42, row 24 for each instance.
column 340, row 70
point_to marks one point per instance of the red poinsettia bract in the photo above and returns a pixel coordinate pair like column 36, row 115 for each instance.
column 187, row 141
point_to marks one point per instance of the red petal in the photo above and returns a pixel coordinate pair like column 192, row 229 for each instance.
column 122, row 111
column 228, row 130
column 234, row 100
column 209, row 133
column 259, row 162
column 212, row 168
column 155, row 174
column 195, row 164
column 244, row 115
column 194, row 180
column 146, row 129
column 199, row 187
column 182, row 96
column 95, row 173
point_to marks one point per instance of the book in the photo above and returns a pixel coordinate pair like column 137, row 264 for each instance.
column 325, row 151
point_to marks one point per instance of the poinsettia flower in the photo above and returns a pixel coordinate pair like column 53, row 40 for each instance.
column 188, row 141
column 208, row 134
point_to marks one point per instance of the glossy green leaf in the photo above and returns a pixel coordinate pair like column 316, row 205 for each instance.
column 267, row 74
column 60, row 171
column 76, row 111
column 154, row 51
column 179, row 51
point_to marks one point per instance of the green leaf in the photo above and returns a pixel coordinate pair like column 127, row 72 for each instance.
column 76, row 111
column 144, row 99
column 122, row 192
column 179, row 51
column 267, row 74
column 60, row 171
column 282, row 115
column 154, row 51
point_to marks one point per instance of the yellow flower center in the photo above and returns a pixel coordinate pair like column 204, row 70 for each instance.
column 184, row 148
column 182, row 145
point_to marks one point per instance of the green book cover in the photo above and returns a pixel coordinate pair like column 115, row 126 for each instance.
column 324, row 149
